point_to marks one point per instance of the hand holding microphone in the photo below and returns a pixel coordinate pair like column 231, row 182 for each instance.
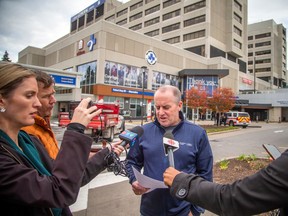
column 127, row 137
column 130, row 136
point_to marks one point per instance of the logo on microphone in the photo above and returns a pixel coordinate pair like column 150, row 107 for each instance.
column 171, row 142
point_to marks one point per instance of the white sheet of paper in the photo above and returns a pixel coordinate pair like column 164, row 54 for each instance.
column 148, row 182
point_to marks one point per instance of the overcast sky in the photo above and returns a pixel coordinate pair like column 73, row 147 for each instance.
column 40, row 22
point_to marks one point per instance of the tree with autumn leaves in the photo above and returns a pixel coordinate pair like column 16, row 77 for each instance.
column 223, row 100
column 196, row 98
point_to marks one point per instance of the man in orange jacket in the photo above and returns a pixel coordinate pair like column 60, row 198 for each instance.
column 42, row 128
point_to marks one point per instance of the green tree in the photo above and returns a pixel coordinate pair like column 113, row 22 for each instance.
column 6, row 57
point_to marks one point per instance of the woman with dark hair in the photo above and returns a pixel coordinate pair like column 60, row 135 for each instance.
column 30, row 183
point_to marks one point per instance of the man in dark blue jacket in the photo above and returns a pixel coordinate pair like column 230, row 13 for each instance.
column 193, row 156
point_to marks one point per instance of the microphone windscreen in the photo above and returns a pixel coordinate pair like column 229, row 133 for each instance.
column 138, row 130
column 169, row 135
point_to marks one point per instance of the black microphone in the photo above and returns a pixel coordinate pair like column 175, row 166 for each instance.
column 127, row 137
column 130, row 136
column 170, row 145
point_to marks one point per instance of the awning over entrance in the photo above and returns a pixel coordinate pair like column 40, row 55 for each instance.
column 200, row 72
column 239, row 103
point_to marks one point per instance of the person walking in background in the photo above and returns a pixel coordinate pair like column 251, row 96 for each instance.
column 30, row 182
column 193, row 156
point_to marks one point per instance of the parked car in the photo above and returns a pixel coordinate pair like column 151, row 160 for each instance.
column 236, row 118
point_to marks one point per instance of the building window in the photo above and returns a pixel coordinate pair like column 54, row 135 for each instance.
column 152, row 10
column 171, row 28
column 194, row 20
column 263, row 61
column 250, row 46
column 148, row 1
column 264, row 52
column 250, row 54
column 111, row 99
column 122, row 12
column 152, row 21
column 136, row 16
column 74, row 25
column 194, row 35
column 215, row 52
column 250, row 37
column 170, row 2
column 81, row 21
column 136, row 27
column 199, row 50
column 137, row 5
column 238, row 5
column 90, row 16
column 171, row 15
column 88, row 79
column 237, row 44
column 259, row 70
column 122, row 22
column 242, row 66
column 152, row 33
column 238, row 18
column 160, row 79
column 266, row 79
column 173, row 40
column 124, row 75
column 263, row 35
column 266, row 43
column 99, row 11
column 110, row 18
column 232, row 58
column 237, row 31
column 195, row 6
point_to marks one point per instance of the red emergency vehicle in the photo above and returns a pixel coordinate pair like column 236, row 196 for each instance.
column 102, row 126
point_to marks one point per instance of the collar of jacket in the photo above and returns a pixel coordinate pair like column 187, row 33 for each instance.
column 41, row 121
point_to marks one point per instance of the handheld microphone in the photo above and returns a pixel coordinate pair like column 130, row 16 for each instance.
column 130, row 136
column 170, row 145
column 127, row 137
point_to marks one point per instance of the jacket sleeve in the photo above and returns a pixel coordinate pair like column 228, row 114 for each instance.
column 95, row 165
column 261, row 192
column 58, row 190
column 134, row 159
column 204, row 165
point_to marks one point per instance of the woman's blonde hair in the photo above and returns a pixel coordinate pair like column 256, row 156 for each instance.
column 11, row 76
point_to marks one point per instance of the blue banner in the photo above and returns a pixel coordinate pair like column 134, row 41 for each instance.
column 126, row 91
column 64, row 80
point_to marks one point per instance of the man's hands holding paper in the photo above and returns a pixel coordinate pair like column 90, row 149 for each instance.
column 138, row 189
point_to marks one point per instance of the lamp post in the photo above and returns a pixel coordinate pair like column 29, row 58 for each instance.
column 143, row 69
column 254, row 73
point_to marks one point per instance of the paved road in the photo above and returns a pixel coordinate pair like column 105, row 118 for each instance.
column 108, row 194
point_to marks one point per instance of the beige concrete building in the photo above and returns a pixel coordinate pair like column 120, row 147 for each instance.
column 267, row 53
column 124, row 52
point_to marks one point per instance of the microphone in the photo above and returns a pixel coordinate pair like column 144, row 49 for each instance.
column 130, row 136
column 127, row 137
column 170, row 145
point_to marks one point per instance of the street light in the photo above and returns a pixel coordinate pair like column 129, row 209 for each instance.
column 254, row 74
column 143, row 69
